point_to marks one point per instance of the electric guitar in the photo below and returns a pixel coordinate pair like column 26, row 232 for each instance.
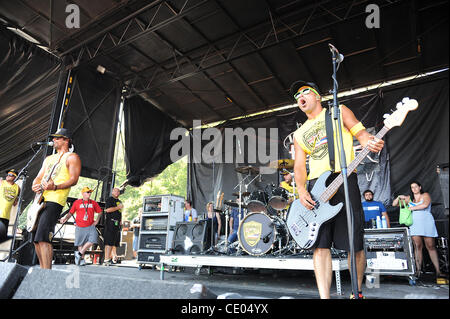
column 38, row 203
column 304, row 224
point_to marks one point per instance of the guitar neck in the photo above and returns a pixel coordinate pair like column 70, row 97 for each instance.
column 337, row 182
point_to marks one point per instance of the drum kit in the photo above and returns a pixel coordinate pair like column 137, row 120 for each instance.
column 262, row 225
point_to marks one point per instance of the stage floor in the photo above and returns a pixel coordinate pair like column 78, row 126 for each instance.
column 265, row 283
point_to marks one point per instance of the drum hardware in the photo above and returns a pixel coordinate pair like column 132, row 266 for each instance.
column 234, row 204
column 244, row 194
column 248, row 170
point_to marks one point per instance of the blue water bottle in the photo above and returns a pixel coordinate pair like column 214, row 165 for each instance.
column 383, row 222
column 378, row 222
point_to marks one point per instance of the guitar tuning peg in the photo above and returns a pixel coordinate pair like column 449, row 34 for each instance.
column 385, row 116
column 405, row 100
column 399, row 105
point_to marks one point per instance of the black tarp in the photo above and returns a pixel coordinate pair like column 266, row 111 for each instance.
column 28, row 86
column 147, row 140
column 412, row 150
column 91, row 116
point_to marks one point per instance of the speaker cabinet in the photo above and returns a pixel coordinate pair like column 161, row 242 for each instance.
column 191, row 238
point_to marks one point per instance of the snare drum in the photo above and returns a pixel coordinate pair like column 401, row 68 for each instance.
column 257, row 201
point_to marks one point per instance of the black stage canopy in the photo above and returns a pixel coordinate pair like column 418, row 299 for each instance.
column 215, row 59
column 210, row 60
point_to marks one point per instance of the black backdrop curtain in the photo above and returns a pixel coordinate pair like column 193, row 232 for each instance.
column 28, row 86
column 412, row 150
column 91, row 116
column 147, row 140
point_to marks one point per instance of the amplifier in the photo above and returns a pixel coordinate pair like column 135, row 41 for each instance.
column 389, row 251
column 148, row 257
column 157, row 223
column 153, row 241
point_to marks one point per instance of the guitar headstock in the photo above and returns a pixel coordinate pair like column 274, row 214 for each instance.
column 403, row 107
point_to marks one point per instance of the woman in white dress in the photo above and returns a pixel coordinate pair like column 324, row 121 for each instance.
column 423, row 228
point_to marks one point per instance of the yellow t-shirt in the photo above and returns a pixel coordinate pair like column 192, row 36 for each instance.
column 287, row 187
column 59, row 175
column 8, row 194
column 312, row 138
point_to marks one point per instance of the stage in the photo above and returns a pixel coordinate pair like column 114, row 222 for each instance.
column 127, row 281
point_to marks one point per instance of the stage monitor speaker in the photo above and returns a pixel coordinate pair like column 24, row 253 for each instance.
column 11, row 275
column 191, row 238
column 76, row 283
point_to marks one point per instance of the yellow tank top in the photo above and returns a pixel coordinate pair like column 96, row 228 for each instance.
column 312, row 138
column 8, row 194
column 287, row 187
column 59, row 175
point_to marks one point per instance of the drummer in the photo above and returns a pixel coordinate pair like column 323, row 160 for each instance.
column 287, row 184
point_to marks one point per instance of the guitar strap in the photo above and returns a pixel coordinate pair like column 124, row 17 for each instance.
column 330, row 138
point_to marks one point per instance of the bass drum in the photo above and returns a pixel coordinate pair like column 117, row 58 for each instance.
column 259, row 233
column 257, row 201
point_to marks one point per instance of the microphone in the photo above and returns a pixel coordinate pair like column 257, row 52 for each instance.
column 45, row 143
column 339, row 57
column 266, row 238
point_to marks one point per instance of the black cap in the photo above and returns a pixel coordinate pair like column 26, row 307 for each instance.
column 298, row 84
column 62, row 132
column 11, row 171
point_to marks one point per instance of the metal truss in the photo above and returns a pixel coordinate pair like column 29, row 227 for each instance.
column 244, row 42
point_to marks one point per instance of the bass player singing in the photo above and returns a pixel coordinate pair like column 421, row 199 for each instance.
column 311, row 139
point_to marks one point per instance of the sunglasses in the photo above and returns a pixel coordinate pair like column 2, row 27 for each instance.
column 11, row 175
column 305, row 91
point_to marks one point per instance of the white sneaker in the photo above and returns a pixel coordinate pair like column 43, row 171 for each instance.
column 77, row 257
column 82, row 262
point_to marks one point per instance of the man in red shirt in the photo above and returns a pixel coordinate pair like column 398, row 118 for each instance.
column 85, row 231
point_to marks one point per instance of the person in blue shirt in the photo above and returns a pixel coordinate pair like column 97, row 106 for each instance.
column 372, row 209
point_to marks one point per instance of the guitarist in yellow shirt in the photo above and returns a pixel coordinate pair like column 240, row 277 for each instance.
column 9, row 193
column 65, row 169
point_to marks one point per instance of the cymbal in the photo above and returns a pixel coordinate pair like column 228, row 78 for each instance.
column 243, row 194
column 247, row 170
column 282, row 164
column 233, row 204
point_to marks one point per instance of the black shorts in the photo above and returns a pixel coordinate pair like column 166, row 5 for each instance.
column 111, row 235
column 3, row 229
column 335, row 230
column 47, row 221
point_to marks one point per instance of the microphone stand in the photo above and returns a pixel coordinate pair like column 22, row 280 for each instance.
column 337, row 119
column 23, row 173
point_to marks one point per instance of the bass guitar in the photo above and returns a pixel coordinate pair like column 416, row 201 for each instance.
column 38, row 203
column 304, row 224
